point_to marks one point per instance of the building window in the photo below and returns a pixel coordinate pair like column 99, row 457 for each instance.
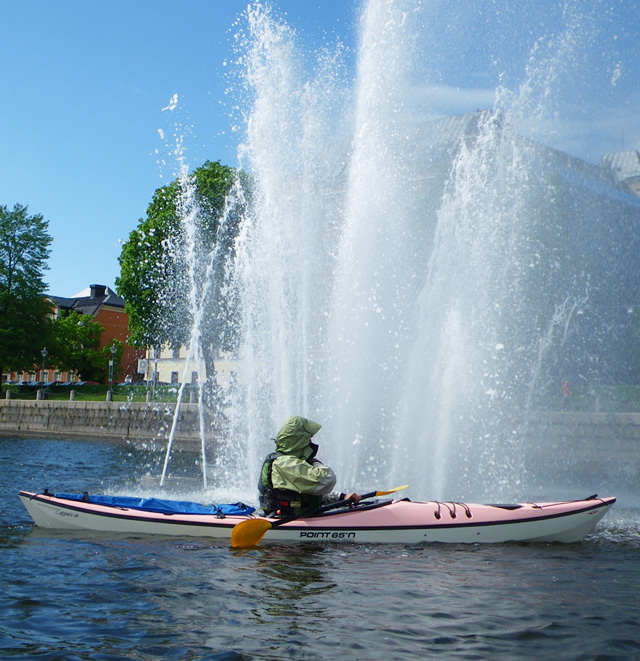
column 174, row 377
column 194, row 378
column 175, row 353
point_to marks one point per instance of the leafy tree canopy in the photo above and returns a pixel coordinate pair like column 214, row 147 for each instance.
column 74, row 342
column 24, row 250
column 161, row 263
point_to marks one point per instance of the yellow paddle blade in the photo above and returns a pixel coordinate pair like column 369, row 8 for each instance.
column 384, row 493
column 249, row 533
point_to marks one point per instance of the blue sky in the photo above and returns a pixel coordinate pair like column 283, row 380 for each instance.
column 84, row 84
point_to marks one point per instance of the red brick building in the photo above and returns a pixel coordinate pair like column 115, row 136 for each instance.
column 107, row 308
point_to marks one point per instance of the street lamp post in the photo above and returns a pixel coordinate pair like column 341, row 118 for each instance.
column 44, row 353
column 155, row 372
column 113, row 350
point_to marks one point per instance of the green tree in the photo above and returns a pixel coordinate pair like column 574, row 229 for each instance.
column 74, row 346
column 24, row 250
column 154, row 263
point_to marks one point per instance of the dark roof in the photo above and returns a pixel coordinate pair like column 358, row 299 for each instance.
column 441, row 138
column 99, row 297
column 62, row 302
column 624, row 164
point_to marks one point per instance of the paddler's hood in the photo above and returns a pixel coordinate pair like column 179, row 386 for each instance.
column 295, row 435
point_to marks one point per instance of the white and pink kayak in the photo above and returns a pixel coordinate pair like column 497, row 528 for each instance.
column 390, row 521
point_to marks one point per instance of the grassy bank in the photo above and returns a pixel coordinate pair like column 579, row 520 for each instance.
column 613, row 399
column 98, row 393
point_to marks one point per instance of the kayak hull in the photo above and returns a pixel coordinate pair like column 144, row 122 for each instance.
column 402, row 521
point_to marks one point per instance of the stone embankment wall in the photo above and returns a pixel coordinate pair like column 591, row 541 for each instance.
column 125, row 421
column 599, row 449
column 607, row 433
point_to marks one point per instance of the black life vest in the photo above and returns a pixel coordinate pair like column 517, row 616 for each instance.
column 283, row 501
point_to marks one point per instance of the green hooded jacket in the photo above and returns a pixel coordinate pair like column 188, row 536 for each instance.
column 292, row 470
column 295, row 435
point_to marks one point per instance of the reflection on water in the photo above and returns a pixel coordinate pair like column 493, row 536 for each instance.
column 99, row 595
column 290, row 576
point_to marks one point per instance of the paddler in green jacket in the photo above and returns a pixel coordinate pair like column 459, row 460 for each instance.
column 292, row 480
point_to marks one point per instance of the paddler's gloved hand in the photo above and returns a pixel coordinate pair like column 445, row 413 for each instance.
column 354, row 498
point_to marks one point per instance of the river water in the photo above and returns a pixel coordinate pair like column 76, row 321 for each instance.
column 109, row 596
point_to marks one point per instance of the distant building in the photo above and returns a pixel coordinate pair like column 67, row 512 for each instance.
column 107, row 308
column 625, row 166
column 584, row 222
column 169, row 366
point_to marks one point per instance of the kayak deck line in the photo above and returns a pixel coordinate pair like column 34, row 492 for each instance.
column 131, row 512
column 367, row 506
column 451, row 506
column 431, row 526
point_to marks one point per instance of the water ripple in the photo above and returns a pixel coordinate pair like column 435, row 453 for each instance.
column 108, row 596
